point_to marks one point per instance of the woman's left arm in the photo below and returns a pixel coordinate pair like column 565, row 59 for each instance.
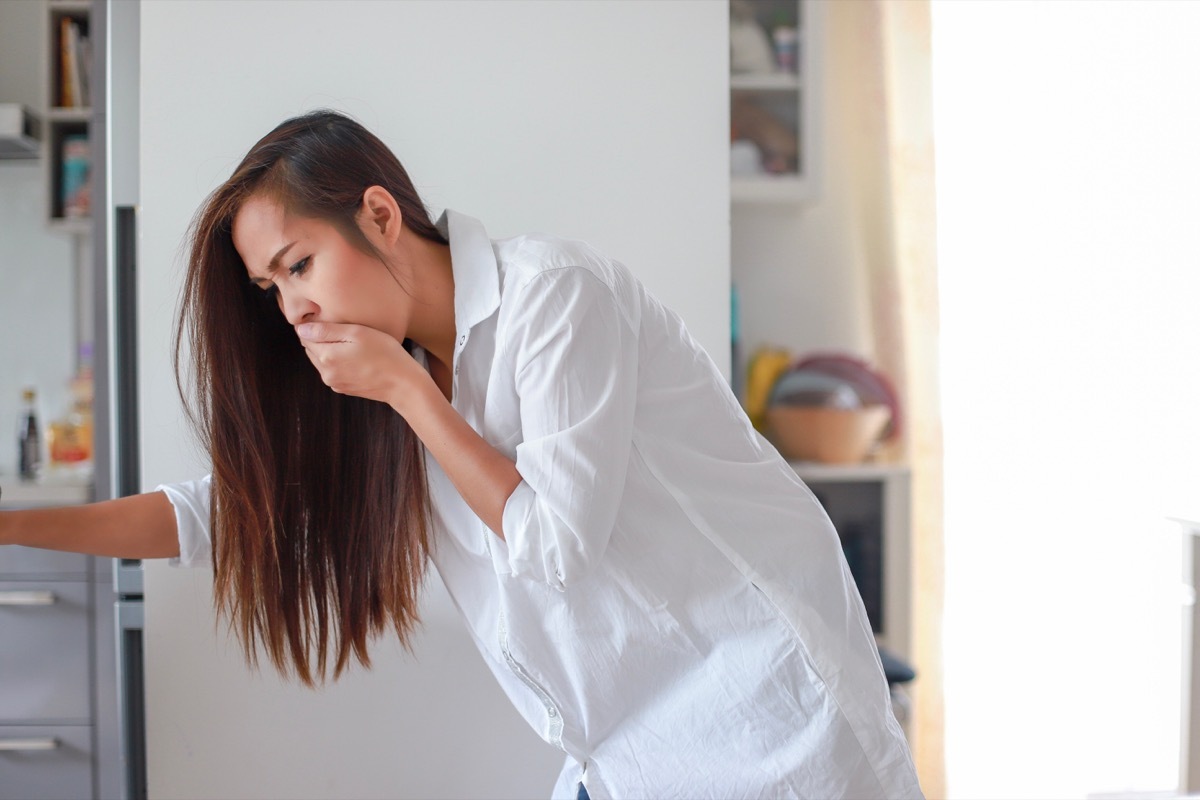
column 365, row 362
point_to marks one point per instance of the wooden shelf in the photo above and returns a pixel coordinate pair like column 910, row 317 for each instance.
column 765, row 82
column 60, row 114
column 771, row 189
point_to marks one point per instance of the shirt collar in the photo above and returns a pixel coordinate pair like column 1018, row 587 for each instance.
column 476, row 275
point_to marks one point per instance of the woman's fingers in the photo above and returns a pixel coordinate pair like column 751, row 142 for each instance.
column 327, row 331
column 355, row 359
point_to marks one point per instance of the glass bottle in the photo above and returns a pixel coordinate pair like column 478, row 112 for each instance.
column 29, row 438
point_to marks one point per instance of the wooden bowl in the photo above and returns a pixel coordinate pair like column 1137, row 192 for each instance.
column 827, row 435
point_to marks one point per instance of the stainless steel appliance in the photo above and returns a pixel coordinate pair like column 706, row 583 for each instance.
column 121, row 768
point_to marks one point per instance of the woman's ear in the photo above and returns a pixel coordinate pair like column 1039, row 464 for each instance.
column 379, row 215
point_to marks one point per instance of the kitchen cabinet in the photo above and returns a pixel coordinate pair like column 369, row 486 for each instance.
column 46, row 689
column 46, row 762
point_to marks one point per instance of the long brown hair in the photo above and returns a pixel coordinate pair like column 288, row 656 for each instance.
column 320, row 503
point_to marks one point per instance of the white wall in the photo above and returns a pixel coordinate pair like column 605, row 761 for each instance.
column 22, row 35
column 601, row 120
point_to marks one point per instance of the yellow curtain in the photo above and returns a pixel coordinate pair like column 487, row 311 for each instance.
column 882, row 83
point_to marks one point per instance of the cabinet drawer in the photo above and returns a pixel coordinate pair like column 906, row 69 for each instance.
column 44, row 657
column 45, row 763
column 15, row 560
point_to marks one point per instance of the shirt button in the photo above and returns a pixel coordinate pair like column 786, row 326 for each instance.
column 462, row 339
column 553, row 712
column 456, row 369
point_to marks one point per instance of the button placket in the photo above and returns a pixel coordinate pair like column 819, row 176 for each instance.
column 554, row 718
column 462, row 340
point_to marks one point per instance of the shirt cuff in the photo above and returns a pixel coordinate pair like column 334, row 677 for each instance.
column 191, row 501
column 516, row 554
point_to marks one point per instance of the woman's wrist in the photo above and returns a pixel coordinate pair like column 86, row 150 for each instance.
column 411, row 397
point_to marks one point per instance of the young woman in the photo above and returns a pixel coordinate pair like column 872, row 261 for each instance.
column 655, row 590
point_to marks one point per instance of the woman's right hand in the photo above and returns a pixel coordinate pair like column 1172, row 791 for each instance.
column 365, row 362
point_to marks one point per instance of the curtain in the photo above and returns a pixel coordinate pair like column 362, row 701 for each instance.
column 880, row 76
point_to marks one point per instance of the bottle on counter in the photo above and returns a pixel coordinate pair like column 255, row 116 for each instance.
column 29, row 437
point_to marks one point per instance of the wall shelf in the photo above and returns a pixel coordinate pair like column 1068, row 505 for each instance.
column 773, row 105
column 765, row 82
column 771, row 189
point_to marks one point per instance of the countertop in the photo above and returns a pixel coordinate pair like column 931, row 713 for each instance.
column 51, row 491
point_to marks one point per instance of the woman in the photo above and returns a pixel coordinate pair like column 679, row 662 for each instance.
column 655, row 590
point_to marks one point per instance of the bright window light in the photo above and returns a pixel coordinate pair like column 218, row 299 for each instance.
column 1067, row 140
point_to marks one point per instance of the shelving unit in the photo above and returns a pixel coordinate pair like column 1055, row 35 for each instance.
column 773, row 105
column 68, row 112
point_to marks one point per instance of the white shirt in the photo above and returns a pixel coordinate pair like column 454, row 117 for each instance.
column 671, row 606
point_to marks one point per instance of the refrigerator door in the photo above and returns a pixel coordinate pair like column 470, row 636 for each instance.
column 595, row 120
column 119, row 753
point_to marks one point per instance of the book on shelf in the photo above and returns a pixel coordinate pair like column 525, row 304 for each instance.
column 74, row 64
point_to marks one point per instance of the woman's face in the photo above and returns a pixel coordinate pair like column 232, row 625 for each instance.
column 315, row 274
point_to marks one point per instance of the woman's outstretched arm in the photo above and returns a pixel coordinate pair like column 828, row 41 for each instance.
column 138, row 526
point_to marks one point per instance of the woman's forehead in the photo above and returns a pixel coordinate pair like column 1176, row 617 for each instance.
column 261, row 229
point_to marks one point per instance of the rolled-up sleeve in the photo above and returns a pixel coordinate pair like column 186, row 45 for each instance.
column 575, row 355
column 192, row 501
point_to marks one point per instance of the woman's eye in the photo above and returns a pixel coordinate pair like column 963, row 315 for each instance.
column 300, row 266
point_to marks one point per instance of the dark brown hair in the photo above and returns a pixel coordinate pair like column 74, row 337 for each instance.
column 320, row 503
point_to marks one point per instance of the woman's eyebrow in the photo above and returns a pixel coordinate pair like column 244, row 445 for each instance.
column 273, row 264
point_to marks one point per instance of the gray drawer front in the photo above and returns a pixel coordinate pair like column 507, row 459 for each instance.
column 63, row 772
column 43, row 651
column 31, row 561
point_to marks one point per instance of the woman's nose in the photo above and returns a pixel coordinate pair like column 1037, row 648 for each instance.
column 295, row 307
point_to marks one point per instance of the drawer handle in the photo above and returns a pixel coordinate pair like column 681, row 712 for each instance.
column 25, row 745
column 27, row 598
